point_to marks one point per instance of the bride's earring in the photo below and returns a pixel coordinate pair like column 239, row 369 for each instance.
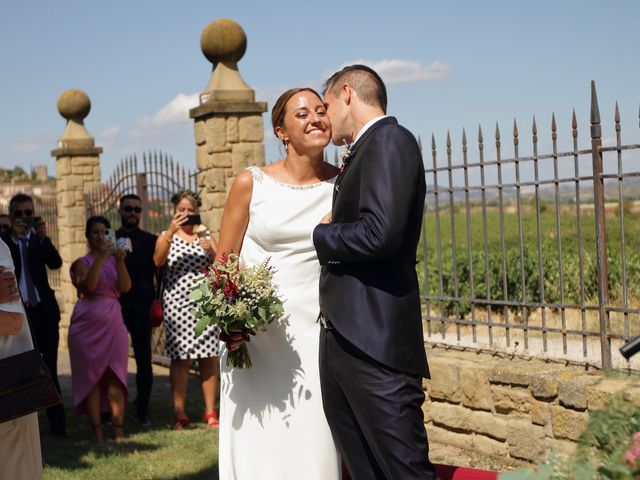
column 286, row 145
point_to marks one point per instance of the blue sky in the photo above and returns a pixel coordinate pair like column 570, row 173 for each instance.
column 448, row 65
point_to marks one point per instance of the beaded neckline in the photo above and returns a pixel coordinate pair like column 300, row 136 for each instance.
column 259, row 175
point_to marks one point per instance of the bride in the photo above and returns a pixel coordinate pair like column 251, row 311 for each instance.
column 272, row 425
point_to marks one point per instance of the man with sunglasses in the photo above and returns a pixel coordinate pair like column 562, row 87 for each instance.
column 32, row 252
column 137, row 302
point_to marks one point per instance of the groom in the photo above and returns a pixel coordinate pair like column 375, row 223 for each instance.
column 372, row 356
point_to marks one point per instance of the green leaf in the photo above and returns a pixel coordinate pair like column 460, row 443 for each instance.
column 195, row 295
column 262, row 313
column 202, row 324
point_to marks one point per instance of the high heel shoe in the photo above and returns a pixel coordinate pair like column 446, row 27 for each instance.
column 180, row 423
column 211, row 419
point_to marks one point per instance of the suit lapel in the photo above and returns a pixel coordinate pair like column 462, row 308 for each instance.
column 353, row 151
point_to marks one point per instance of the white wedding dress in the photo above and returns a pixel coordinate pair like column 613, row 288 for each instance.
column 272, row 425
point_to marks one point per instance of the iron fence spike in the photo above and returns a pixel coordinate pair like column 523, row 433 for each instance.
column 480, row 140
column 574, row 122
column 595, row 110
column 448, row 139
column 497, row 132
column 617, row 114
column 534, row 129
column 464, row 137
column 515, row 128
column 433, row 142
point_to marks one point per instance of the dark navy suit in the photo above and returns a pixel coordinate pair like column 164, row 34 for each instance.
column 372, row 358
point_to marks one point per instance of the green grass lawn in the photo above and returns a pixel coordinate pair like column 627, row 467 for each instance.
column 158, row 453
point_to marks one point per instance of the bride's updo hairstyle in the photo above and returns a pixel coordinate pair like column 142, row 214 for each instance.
column 279, row 109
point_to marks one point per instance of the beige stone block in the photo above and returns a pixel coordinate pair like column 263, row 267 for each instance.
column 540, row 413
column 198, row 130
column 91, row 185
column 242, row 156
column 258, row 154
column 567, row 423
column 212, row 219
column 426, row 411
column 526, row 441
column 85, row 161
column 232, row 130
column 63, row 166
column 564, row 447
column 70, row 182
column 222, row 160
column 573, row 392
column 445, row 380
column 96, row 174
column 446, row 437
column 215, row 133
column 600, row 394
column 83, row 170
column 203, row 158
column 212, row 180
column 452, row 416
column 66, row 199
column 510, row 399
column 512, row 373
column 489, row 424
column 545, row 384
column 475, row 387
column 79, row 236
column 632, row 395
column 489, row 446
column 75, row 217
column 251, row 128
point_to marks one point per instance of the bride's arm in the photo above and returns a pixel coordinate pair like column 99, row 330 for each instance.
column 235, row 217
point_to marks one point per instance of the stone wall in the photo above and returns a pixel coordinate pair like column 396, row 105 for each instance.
column 511, row 408
column 229, row 137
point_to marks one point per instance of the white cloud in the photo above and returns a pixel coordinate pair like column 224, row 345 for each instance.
column 109, row 132
column 39, row 141
column 176, row 111
column 397, row 70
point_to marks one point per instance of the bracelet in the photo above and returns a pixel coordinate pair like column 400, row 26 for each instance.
column 167, row 238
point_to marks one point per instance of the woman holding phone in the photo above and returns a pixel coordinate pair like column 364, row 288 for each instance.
column 98, row 340
column 186, row 253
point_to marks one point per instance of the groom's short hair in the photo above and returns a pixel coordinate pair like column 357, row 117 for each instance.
column 364, row 80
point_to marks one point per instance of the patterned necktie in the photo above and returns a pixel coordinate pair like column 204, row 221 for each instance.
column 32, row 299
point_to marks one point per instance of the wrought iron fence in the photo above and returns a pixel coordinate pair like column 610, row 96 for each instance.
column 519, row 258
column 158, row 180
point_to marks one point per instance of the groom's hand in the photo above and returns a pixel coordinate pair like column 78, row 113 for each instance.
column 327, row 218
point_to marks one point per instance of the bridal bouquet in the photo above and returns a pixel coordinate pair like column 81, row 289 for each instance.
column 236, row 298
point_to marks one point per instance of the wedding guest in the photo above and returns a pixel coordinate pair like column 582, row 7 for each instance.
column 98, row 344
column 33, row 252
column 185, row 254
column 20, row 455
column 136, row 303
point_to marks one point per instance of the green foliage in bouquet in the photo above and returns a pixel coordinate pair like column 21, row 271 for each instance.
column 608, row 450
column 236, row 298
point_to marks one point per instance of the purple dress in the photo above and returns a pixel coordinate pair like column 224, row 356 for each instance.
column 97, row 337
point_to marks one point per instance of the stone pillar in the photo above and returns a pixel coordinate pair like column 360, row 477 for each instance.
column 77, row 171
column 229, row 131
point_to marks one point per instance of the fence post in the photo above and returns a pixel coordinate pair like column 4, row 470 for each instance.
column 77, row 171
column 229, row 131
column 143, row 193
column 601, row 231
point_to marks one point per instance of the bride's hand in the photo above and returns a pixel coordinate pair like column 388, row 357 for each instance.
column 234, row 340
column 327, row 218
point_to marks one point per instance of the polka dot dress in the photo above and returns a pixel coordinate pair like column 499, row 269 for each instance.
column 185, row 263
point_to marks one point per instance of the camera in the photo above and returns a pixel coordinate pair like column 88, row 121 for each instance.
column 193, row 219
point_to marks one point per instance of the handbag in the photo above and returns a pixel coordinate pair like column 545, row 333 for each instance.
column 26, row 385
column 156, row 314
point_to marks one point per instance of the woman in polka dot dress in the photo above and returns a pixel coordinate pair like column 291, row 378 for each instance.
column 185, row 253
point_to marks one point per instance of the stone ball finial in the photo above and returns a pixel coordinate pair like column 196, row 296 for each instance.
column 74, row 104
column 223, row 40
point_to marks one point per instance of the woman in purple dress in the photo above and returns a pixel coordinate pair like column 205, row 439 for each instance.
column 98, row 343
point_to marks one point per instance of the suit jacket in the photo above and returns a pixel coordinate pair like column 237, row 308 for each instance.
column 368, row 284
column 42, row 254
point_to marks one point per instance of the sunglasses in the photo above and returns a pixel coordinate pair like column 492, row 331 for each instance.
column 132, row 209
column 5, row 227
column 20, row 213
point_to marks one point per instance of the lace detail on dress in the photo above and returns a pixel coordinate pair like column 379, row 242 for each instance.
column 259, row 176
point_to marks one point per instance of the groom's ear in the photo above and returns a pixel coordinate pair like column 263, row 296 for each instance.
column 346, row 93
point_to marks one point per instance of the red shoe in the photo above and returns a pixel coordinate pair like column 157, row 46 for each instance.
column 212, row 419
column 180, row 423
